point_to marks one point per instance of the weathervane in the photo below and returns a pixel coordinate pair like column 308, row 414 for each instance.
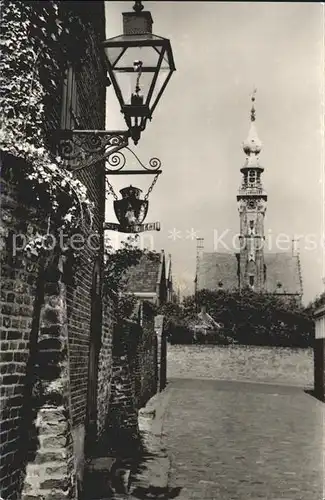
column 253, row 107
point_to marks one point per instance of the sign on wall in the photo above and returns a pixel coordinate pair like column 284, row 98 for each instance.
column 136, row 228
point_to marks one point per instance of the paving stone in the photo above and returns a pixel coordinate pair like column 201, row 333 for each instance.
column 234, row 441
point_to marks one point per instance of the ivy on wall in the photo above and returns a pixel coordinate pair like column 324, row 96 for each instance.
column 37, row 41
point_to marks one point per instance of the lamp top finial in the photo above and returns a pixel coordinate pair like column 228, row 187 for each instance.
column 138, row 7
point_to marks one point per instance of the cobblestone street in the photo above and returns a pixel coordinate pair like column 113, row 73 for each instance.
column 238, row 440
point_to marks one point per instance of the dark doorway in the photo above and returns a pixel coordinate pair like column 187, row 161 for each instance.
column 94, row 346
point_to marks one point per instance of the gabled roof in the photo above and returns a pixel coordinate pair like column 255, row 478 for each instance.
column 144, row 277
column 217, row 270
column 282, row 269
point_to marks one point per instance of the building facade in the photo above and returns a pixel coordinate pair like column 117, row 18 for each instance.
column 63, row 347
column 56, row 328
column 274, row 273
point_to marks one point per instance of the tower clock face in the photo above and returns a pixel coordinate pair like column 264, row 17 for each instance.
column 251, row 204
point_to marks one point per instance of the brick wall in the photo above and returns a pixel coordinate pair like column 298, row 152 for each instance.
column 52, row 358
column 319, row 354
column 50, row 469
column 161, row 334
column 319, row 368
column 105, row 367
column 123, row 414
column 147, row 358
column 19, row 305
column 134, row 377
column 91, row 99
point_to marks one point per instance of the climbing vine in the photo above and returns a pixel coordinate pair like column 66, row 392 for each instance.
column 116, row 272
column 35, row 45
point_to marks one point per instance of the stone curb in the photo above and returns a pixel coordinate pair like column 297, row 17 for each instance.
column 149, row 476
column 152, row 474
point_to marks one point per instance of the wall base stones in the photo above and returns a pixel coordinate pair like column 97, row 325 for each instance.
column 50, row 471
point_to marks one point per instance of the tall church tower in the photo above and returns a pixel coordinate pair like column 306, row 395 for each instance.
column 251, row 201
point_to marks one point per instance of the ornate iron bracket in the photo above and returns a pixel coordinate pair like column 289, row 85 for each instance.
column 88, row 147
column 116, row 160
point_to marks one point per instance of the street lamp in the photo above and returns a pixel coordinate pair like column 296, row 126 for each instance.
column 140, row 65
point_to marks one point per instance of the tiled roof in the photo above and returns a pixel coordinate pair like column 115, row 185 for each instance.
column 282, row 268
column 144, row 276
column 215, row 268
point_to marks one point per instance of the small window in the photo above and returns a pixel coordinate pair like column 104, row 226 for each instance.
column 251, row 281
column 70, row 104
column 252, row 176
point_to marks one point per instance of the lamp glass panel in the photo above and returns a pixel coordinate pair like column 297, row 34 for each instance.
column 126, row 76
column 112, row 53
column 162, row 77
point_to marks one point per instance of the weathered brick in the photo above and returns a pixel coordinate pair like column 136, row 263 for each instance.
column 58, row 456
column 6, row 356
column 54, row 441
column 10, row 297
column 59, row 483
column 14, row 335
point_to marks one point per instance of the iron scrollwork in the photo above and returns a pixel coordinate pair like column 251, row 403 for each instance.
column 117, row 160
column 90, row 146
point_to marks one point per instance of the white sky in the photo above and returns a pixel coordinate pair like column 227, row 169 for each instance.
column 222, row 51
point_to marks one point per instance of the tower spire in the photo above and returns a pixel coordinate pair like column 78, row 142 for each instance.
column 251, row 200
column 252, row 146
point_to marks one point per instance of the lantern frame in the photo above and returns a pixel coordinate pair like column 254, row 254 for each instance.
column 136, row 114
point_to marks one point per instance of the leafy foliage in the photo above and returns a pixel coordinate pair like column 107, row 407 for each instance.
column 33, row 45
column 315, row 304
column 252, row 318
column 117, row 264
